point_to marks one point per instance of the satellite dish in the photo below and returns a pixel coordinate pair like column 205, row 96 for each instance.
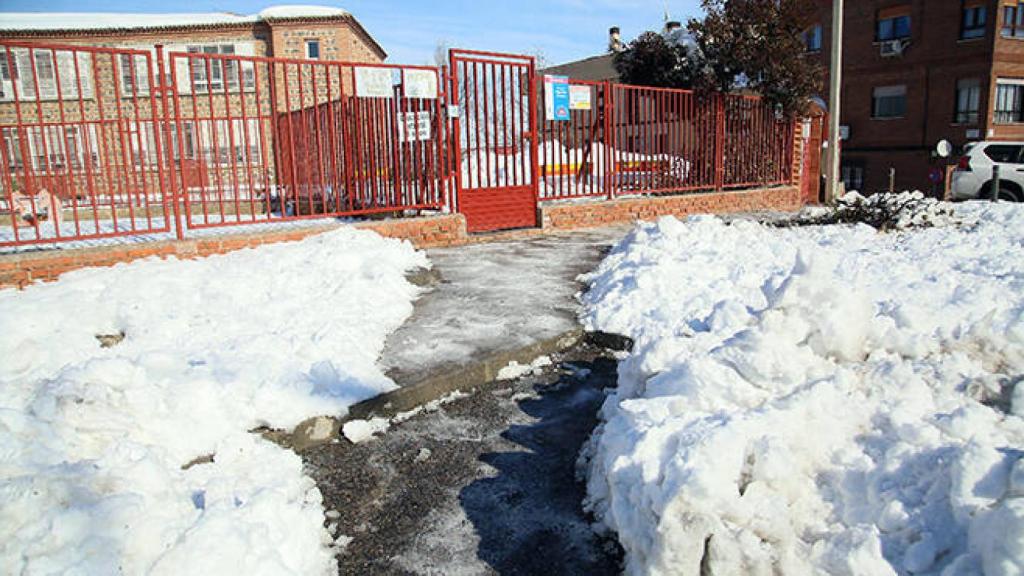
column 944, row 149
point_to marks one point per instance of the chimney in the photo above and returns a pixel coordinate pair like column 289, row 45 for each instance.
column 614, row 40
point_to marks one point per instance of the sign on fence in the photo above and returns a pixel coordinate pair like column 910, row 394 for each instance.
column 414, row 126
column 579, row 97
column 556, row 97
column 420, row 83
column 374, row 82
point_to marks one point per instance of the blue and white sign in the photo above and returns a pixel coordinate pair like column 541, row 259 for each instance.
column 556, row 97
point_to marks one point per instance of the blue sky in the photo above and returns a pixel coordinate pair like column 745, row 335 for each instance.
column 561, row 30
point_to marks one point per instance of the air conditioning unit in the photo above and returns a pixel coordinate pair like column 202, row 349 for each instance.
column 891, row 48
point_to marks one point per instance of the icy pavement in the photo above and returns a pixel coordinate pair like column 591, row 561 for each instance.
column 494, row 297
column 481, row 485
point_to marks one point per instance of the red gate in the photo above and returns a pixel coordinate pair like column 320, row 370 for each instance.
column 496, row 131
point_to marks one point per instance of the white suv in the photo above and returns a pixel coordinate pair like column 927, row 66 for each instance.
column 973, row 175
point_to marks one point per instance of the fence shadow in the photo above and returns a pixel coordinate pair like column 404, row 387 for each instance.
column 529, row 516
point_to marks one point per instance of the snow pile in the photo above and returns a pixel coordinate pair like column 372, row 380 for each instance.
column 104, row 463
column 814, row 399
column 514, row 370
column 357, row 431
column 886, row 212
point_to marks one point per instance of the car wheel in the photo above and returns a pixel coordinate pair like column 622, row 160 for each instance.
column 1009, row 195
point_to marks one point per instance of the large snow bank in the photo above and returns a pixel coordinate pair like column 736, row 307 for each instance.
column 814, row 400
column 93, row 440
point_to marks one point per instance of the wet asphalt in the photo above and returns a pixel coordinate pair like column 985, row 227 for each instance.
column 484, row 484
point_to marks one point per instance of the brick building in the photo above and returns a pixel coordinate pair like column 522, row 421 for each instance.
column 919, row 71
column 83, row 122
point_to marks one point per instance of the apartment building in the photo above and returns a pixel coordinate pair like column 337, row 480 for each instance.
column 74, row 119
column 919, row 71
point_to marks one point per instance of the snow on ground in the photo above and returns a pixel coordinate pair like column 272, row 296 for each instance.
column 823, row 399
column 94, row 441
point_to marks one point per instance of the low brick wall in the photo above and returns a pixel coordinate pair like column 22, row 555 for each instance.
column 570, row 216
column 21, row 269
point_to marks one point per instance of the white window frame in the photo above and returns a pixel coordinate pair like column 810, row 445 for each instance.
column 884, row 92
column 53, row 156
column 22, row 79
column 319, row 48
column 224, row 133
column 1003, row 97
column 195, row 69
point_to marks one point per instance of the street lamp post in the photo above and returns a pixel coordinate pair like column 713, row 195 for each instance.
column 834, row 96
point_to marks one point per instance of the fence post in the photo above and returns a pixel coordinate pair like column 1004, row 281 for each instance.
column 995, row 182
column 608, row 109
column 164, row 84
column 719, row 142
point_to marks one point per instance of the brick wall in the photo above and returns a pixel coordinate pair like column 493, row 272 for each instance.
column 21, row 269
column 596, row 214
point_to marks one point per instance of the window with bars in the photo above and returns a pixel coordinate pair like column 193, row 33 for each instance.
column 1013, row 20
column 968, row 101
column 973, row 21
column 889, row 102
column 1009, row 101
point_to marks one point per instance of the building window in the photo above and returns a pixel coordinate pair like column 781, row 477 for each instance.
column 812, row 38
column 1013, row 20
column 968, row 101
column 313, row 49
column 16, row 74
column 853, row 176
column 223, row 72
column 134, row 78
column 974, row 20
column 1009, row 101
column 52, row 148
column 889, row 102
column 893, row 24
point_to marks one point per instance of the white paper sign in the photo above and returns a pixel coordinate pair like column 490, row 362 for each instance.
column 420, row 84
column 579, row 97
column 374, row 82
column 414, row 126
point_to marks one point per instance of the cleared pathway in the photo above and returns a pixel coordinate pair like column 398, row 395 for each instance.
column 494, row 297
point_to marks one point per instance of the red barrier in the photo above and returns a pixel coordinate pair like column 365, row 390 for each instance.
column 76, row 161
column 103, row 142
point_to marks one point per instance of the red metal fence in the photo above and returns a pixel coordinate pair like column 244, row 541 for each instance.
column 103, row 142
column 287, row 139
column 73, row 162
column 644, row 140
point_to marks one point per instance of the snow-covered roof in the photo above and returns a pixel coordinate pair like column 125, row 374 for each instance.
column 49, row 21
